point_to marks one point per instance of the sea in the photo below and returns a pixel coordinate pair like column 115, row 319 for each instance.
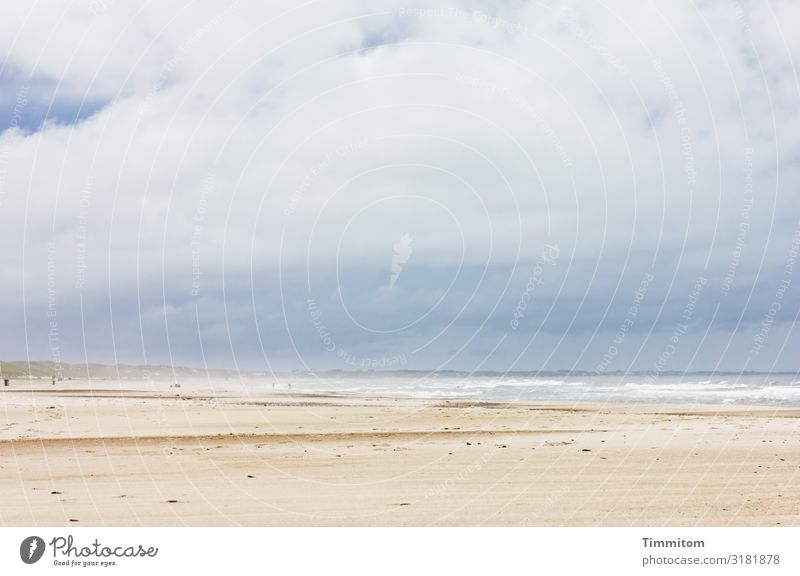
column 756, row 389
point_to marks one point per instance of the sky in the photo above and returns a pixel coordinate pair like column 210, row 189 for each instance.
column 399, row 185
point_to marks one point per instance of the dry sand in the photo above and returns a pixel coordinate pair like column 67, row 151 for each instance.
column 119, row 454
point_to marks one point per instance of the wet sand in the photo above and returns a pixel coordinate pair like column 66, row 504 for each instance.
column 143, row 454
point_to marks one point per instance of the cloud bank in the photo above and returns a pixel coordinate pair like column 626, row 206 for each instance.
column 373, row 185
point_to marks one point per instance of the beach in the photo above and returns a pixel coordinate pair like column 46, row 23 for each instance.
column 105, row 453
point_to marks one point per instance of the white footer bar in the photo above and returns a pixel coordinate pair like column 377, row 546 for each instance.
column 402, row 551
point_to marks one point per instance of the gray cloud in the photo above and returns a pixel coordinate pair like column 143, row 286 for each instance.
column 237, row 189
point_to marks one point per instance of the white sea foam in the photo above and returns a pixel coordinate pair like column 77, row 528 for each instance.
column 771, row 390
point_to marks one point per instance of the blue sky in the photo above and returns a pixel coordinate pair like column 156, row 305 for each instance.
column 29, row 102
column 506, row 187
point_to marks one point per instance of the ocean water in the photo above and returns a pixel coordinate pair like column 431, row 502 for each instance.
column 720, row 389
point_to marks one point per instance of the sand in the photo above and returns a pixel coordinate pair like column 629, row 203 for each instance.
column 142, row 454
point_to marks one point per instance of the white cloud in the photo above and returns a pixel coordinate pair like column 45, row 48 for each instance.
column 297, row 138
